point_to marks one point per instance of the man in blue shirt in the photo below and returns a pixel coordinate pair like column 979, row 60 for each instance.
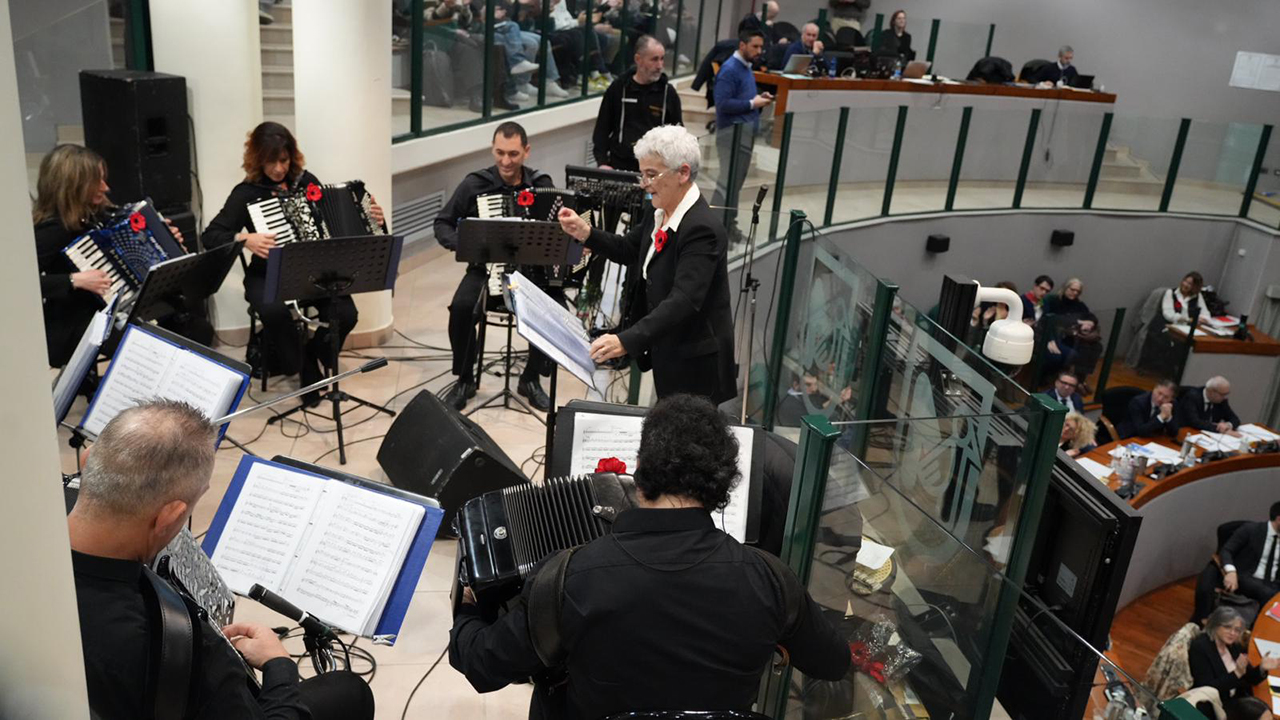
column 738, row 102
column 809, row 45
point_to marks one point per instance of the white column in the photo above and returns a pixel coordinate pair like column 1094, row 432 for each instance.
column 342, row 106
column 215, row 46
column 42, row 675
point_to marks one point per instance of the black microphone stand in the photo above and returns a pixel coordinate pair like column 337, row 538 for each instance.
column 751, row 287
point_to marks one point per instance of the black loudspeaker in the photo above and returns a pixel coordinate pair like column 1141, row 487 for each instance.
column 1062, row 238
column 938, row 243
column 137, row 121
column 185, row 220
column 433, row 450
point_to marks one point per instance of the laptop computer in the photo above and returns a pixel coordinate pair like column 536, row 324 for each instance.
column 797, row 65
column 1083, row 82
column 916, row 69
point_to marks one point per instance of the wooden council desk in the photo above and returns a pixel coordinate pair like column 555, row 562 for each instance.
column 1181, row 512
column 1264, row 628
column 835, row 91
column 1251, row 366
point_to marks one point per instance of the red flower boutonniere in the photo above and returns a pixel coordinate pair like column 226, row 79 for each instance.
column 861, row 656
column 313, row 192
column 137, row 222
column 525, row 198
column 611, row 464
column 659, row 240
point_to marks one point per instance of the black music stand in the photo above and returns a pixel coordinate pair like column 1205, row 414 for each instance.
column 328, row 270
column 513, row 242
column 195, row 277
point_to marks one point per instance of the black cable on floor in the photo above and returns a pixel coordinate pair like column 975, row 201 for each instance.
column 421, row 680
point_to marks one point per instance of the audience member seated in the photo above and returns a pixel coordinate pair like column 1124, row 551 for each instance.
column 1250, row 559
column 803, row 398
column 1064, row 391
column 570, row 33
column 1078, row 434
column 1220, row 660
column 1179, row 304
column 777, row 35
column 1151, row 413
column 809, row 45
column 452, row 27
column 1073, row 343
column 897, row 41
column 1033, row 300
column 1067, row 300
column 1207, row 408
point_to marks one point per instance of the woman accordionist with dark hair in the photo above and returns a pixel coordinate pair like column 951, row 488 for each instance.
column 274, row 167
column 71, row 199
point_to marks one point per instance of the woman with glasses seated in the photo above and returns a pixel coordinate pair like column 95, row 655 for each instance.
column 1220, row 660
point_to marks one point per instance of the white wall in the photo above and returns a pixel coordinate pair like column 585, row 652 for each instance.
column 1253, row 263
column 42, row 675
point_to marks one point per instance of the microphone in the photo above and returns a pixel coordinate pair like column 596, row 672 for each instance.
column 755, row 209
column 274, row 602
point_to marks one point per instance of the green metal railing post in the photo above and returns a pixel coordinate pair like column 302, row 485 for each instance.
column 139, row 27
column 415, row 66
column 653, row 17
column 1258, row 157
column 1044, row 428
column 486, row 100
column 697, row 40
column 898, row 132
column 1027, row 149
column 875, row 39
column 633, row 384
column 780, row 182
column 834, row 181
column 933, row 38
column 675, row 44
column 1099, row 154
column 585, row 67
column 719, row 17
column 544, row 49
column 782, row 321
column 1110, row 355
column 824, row 22
column 731, row 192
column 1183, row 129
column 991, row 35
column 869, row 387
column 620, row 60
column 958, row 160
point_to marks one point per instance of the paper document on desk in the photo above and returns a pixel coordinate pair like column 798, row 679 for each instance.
column 1222, row 321
column 872, row 554
column 1267, row 647
column 1216, row 441
column 1163, row 454
column 1094, row 468
column 1257, row 432
column 1186, row 329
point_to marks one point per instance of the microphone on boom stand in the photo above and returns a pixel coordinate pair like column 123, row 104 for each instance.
column 317, row 637
column 750, row 286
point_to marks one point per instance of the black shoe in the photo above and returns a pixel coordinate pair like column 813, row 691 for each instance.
column 459, row 394
column 532, row 391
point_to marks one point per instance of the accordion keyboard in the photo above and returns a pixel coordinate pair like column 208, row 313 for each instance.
column 86, row 254
column 268, row 217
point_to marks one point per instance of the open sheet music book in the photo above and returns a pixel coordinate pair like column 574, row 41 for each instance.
column 345, row 553
column 86, row 353
column 550, row 327
column 154, row 363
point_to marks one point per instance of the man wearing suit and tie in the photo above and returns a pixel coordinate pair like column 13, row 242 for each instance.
column 1151, row 413
column 1062, row 70
column 679, row 322
column 1207, row 408
column 1064, row 391
column 1251, row 558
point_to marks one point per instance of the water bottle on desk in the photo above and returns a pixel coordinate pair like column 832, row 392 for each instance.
column 897, row 69
column 1188, row 454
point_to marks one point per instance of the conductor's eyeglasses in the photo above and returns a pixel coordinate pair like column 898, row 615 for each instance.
column 649, row 178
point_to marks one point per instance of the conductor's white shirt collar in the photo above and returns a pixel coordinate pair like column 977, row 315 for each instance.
column 672, row 225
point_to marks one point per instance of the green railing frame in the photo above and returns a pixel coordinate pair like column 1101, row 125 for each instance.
column 1099, row 154
column 653, row 18
column 933, row 39
column 1027, row 149
column 879, row 27
column 584, row 70
column 486, row 98
column 675, row 44
column 991, row 36
column 416, row 40
column 697, row 40
column 1258, row 158
column 1108, row 357
column 824, row 22
column 1044, row 428
column 874, row 341
column 894, row 156
column 1184, row 128
column 139, row 28
column 786, row 289
column 835, row 166
column 633, row 384
column 1178, row 709
column 780, row 180
column 961, row 140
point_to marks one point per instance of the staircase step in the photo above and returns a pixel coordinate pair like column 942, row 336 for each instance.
column 277, row 102
column 1131, row 186
column 116, row 26
column 283, row 13
column 276, row 33
column 277, row 77
column 1123, row 170
column 277, row 55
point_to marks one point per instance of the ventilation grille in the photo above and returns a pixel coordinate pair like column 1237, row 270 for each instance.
column 414, row 219
column 590, row 159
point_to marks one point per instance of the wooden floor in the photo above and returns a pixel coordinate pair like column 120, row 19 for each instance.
column 1140, row 629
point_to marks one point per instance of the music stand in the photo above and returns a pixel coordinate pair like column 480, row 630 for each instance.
column 195, row 277
column 328, row 270
column 513, row 242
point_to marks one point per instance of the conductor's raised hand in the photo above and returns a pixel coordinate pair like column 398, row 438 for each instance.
column 607, row 347
column 257, row 643
column 259, row 243
column 573, row 225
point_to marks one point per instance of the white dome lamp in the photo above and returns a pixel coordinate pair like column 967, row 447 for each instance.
column 1009, row 341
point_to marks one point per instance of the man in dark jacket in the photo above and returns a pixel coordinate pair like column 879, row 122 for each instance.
column 634, row 104
column 1151, row 413
column 508, row 175
column 680, row 323
column 1251, row 558
column 1207, row 408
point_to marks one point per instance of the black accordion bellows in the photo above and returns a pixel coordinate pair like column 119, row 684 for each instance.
column 504, row 534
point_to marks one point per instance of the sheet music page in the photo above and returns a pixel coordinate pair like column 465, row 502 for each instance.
column 346, row 568
column 206, row 385
column 551, row 328
column 266, row 526
column 135, row 374
column 733, row 518
column 64, row 388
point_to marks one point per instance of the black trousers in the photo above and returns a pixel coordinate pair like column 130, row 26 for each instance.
column 1210, row 580
column 464, row 314
column 283, row 349
column 339, row 695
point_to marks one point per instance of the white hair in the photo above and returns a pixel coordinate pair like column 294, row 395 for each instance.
column 1217, row 382
column 673, row 145
column 1062, row 51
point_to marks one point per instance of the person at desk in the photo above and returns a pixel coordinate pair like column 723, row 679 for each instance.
column 897, row 42
column 1151, row 413
column 1061, row 72
column 1078, row 434
column 1251, row 558
column 1219, row 660
column 809, row 45
column 1181, row 303
column 1207, row 408
column 1064, row 391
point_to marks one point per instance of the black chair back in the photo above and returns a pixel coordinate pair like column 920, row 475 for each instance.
column 786, row 30
column 1115, row 408
column 848, row 38
column 1033, row 70
column 1227, row 529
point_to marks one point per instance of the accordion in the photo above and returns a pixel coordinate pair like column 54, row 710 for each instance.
column 125, row 247
column 532, row 203
column 317, row 212
column 504, row 534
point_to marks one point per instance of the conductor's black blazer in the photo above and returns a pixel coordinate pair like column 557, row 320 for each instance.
column 1207, row 669
column 681, row 325
column 1189, row 411
column 1244, row 548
